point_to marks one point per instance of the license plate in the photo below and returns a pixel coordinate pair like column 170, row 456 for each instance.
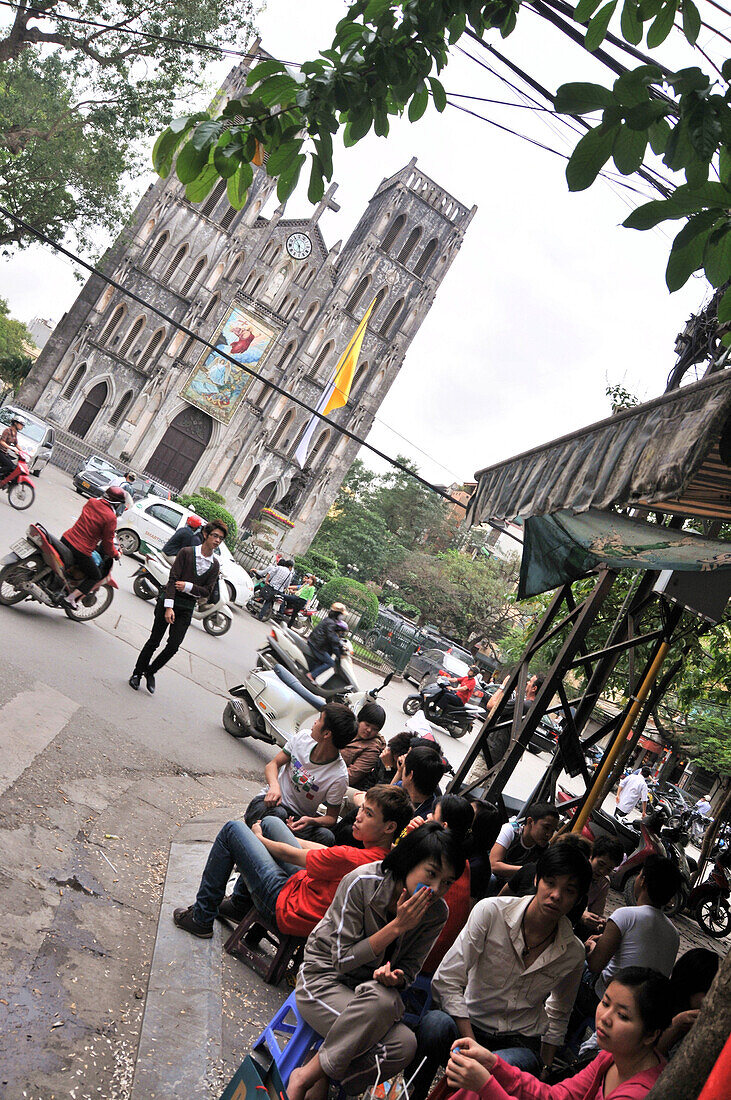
column 85, row 485
column 22, row 548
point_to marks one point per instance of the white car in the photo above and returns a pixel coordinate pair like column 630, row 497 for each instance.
column 150, row 523
column 36, row 439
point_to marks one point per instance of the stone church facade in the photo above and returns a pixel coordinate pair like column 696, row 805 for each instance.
column 113, row 372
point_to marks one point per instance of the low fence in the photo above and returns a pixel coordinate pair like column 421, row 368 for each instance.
column 70, row 453
column 253, row 557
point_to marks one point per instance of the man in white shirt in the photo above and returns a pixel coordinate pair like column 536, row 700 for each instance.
column 277, row 583
column 703, row 805
column 632, row 789
column 510, row 979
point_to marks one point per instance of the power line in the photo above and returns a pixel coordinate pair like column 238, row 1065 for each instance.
column 224, row 355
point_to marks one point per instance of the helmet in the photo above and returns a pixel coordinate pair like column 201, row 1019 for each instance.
column 115, row 494
column 194, row 522
column 16, row 419
column 341, row 626
column 339, row 607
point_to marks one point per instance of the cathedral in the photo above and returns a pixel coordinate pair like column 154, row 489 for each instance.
column 270, row 293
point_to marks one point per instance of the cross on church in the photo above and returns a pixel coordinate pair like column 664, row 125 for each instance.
column 327, row 202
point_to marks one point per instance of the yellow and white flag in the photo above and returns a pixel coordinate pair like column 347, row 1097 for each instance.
column 336, row 392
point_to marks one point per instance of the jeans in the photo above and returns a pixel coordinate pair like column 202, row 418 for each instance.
column 261, row 877
column 87, row 565
column 259, row 810
column 435, row 1035
column 178, row 630
column 322, row 661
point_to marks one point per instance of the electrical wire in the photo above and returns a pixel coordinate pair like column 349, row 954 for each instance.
column 45, row 239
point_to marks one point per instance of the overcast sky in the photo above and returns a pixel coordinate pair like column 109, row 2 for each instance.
column 549, row 299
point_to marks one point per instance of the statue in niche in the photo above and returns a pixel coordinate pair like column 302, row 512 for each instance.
column 292, row 497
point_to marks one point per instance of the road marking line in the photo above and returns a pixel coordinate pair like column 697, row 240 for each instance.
column 29, row 722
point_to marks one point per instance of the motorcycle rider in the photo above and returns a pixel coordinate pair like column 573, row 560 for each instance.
column 93, row 533
column 9, row 441
column 190, row 534
column 325, row 641
column 276, row 583
column 299, row 599
column 461, row 690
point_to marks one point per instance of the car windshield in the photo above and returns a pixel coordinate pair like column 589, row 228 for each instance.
column 454, row 665
column 33, row 431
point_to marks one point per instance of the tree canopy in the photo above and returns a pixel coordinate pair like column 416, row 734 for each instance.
column 80, row 86
column 15, row 341
column 385, row 59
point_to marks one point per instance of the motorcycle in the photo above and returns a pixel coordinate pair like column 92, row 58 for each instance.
column 18, row 485
column 698, row 826
column 287, row 648
column 656, row 836
column 272, row 704
column 40, row 567
column 280, row 613
column 150, row 579
column 456, row 720
column 709, row 900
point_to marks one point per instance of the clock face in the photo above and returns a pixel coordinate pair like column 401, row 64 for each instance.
column 299, row 246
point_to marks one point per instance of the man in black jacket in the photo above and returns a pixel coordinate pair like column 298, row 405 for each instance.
column 190, row 534
column 193, row 576
column 326, row 641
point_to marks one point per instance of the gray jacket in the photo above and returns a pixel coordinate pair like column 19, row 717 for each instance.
column 339, row 945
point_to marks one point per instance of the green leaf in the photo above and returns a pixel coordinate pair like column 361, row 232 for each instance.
column 280, row 90
column 691, row 21
column 263, row 71
column 237, row 186
column 227, row 155
column 726, row 69
column 692, row 79
column 599, row 26
column 644, row 115
column 704, row 129
column 580, row 99
column 197, row 190
column 190, row 162
column 589, row 157
column 585, row 9
column 717, row 256
column 699, row 223
column 724, row 165
column 205, row 133
column 282, row 156
column 316, row 189
column 659, row 134
column 648, row 9
column 169, row 140
column 289, row 178
column 438, row 94
column 630, row 23
column 662, row 25
column 374, row 11
column 724, row 308
column 684, row 261
column 628, row 150
column 419, row 103
column 357, row 128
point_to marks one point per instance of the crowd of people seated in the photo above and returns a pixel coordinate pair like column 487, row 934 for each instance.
column 393, row 879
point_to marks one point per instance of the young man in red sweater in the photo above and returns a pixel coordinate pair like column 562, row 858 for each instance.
column 290, row 881
column 94, row 530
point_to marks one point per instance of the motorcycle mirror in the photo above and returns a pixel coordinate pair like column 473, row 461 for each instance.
column 387, row 681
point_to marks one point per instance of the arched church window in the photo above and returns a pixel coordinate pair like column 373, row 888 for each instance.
column 393, row 231
column 156, row 249
column 74, row 381
column 154, row 345
column 112, row 324
column 270, row 253
column 284, row 424
column 209, row 307
column 323, row 354
column 132, row 334
column 176, row 262
column 391, row 317
column 411, row 243
column 358, row 293
column 236, row 266
column 319, row 448
column 121, row 410
column 287, row 353
column 358, row 381
column 213, row 199
column 193, row 275
column 429, row 250
column 309, row 316
column 379, row 300
column 249, row 483
column 228, row 216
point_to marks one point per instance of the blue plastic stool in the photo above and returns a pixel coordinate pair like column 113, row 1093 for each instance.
column 300, row 1040
column 417, row 1000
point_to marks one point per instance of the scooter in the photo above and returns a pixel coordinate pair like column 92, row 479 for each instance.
column 457, row 721
column 151, row 578
column 272, row 705
column 40, row 567
column 655, row 837
column 18, row 485
column 287, row 648
column 280, row 613
column 709, row 900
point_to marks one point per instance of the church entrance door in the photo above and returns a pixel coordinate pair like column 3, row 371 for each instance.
column 177, row 453
column 263, row 500
column 87, row 413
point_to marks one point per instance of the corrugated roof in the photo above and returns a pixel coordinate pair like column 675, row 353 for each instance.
column 663, row 454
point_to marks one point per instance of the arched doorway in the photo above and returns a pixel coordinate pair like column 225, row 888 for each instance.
column 264, row 498
column 87, row 413
column 177, row 453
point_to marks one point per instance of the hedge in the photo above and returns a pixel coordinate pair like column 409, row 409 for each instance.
column 211, row 494
column 354, row 595
column 315, row 562
column 210, row 511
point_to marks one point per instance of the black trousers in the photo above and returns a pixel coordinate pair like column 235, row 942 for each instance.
column 87, row 565
column 294, row 605
column 178, row 630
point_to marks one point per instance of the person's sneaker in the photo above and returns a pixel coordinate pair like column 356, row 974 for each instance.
column 70, row 603
column 134, row 681
column 150, row 680
column 184, row 919
column 233, row 909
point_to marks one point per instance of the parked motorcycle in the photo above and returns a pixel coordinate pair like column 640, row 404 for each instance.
column 40, row 567
column 698, row 825
column 456, row 720
column 709, row 900
column 151, row 578
column 287, row 648
column 18, row 484
column 656, row 836
column 272, row 704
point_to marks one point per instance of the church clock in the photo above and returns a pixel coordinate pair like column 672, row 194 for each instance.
column 299, row 246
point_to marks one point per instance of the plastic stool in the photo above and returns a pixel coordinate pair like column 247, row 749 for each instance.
column 417, row 1000
column 301, row 1041
column 272, row 968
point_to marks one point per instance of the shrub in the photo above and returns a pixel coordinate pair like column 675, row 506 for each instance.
column 354, row 595
column 210, row 511
column 315, row 562
column 212, row 495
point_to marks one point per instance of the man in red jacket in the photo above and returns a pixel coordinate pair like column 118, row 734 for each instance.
column 94, row 530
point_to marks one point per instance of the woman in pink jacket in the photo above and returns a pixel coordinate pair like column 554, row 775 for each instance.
column 633, row 1013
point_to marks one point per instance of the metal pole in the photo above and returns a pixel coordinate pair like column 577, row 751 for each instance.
column 608, row 763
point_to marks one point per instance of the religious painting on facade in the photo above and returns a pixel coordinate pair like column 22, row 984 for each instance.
column 215, row 384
